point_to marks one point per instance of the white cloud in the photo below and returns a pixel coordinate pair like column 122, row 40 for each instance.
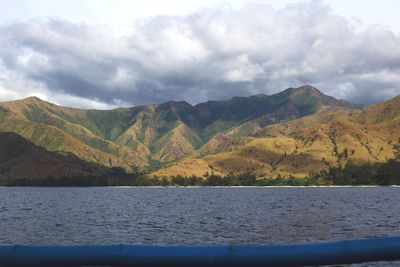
column 209, row 54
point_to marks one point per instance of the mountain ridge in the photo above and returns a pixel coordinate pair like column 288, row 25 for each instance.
column 154, row 137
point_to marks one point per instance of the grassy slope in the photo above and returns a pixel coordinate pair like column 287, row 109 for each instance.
column 37, row 121
column 298, row 147
column 157, row 134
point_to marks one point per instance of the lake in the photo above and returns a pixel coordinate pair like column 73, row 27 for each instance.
column 196, row 215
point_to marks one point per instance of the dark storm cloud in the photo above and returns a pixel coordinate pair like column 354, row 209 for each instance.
column 211, row 54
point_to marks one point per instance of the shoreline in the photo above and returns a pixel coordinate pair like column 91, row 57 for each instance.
column 216, row 187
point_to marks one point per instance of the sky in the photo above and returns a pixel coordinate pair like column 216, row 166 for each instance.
column 103, row 54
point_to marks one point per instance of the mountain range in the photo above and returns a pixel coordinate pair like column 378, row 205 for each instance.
column 295, row 132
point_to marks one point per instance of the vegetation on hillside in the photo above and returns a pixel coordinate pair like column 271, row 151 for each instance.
column 332, row 137
column 278, row 139
column 137, row 137
column 351, row 174
column 367, row 174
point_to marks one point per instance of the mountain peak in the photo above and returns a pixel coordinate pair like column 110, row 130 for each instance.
column 32, row 98
column 304, row 89
column 308, row 88
column 310, row 94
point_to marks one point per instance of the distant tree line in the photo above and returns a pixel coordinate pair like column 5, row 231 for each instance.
column 366, row 174
column 69, row 181
column 244, row 179
column 351, row 174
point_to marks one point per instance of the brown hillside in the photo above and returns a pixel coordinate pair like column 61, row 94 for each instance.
column 331, row 137
column 21, row 159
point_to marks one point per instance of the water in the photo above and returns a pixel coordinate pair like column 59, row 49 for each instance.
column 196, row 215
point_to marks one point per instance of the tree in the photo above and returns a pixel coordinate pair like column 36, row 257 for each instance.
column 247, row 178
column 389, row 173
column 214, row 180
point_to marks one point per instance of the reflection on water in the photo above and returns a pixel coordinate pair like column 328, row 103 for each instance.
column 196, row 215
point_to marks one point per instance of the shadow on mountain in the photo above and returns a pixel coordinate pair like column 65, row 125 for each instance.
column 24, row 163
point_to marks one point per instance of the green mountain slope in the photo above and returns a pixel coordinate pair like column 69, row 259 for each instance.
column 331, row 137
column 146, row 137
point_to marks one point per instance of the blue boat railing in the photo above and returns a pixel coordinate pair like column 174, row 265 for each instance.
column 342, row 252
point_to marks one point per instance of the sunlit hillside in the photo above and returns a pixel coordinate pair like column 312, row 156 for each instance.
column 331, row 137
column 148, row 137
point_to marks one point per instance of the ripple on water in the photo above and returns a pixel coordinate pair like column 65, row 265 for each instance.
column 196, row 215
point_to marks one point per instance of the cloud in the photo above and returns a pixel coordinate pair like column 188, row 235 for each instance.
column 210, row 54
